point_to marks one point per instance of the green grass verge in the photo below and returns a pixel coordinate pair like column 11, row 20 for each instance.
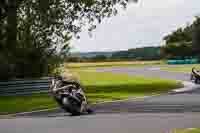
column 180, row 68
column 189, row 130
column 98, row 87
column 113, row 64
column 109, row 86
column 13, row 104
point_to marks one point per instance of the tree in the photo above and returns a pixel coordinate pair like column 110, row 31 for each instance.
column 184, row 41
column 35, row 30
column 177, row 50
column 7, row 36
column 99, row 58
column 180, row 35
column 196, row 36
column 144, row 53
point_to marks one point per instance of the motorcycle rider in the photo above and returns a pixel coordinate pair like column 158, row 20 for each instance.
column 60, row 83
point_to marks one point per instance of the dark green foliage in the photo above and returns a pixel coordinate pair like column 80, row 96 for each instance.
column 177, row 50
column 183, row 42
column 7, row 37
column 180, row 35
column 196, row 37
column 35, row 33
column 145, row 53
column 99, row 58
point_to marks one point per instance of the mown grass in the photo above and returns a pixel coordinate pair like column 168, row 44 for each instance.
column 180, row 68
column 189, row 130
column 109, row 86
column 113, row 64
column 13, row 104
column 97, row 86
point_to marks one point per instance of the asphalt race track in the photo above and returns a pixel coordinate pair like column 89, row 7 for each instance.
column 148, row 72
column 102, row 123
column 157, row 114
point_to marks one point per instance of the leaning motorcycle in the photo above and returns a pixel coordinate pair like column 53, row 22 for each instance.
column 69, row 96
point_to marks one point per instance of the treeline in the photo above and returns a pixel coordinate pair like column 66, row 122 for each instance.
column 145, row 53
column 27, row 44
column 183, row 42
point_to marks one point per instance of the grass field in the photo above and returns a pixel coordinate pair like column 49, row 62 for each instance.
column 161, row 64
column 113, row 64
column 189, row 130
column 13, row 104
column 98, row 87
column 108, row 86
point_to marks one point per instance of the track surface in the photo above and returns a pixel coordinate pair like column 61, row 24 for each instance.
column 156, row 114
column 148, row 72
column 102, row 123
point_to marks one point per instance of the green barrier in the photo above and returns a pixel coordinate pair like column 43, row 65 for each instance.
column 180, row 61
column 171, row 62
column 194, row 61
column 186, row 61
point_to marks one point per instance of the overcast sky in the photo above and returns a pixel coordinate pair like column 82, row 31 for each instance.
column 141, row 24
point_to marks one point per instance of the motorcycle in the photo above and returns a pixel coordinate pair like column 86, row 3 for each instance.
column 195, row 75
column 69, row 96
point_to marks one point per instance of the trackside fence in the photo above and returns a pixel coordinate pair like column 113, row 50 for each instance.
column 24, row 87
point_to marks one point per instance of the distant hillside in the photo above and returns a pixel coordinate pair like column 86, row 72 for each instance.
column 144, row 53
column 92, row 54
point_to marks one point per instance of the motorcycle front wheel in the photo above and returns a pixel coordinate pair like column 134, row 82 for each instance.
column 71, row 107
